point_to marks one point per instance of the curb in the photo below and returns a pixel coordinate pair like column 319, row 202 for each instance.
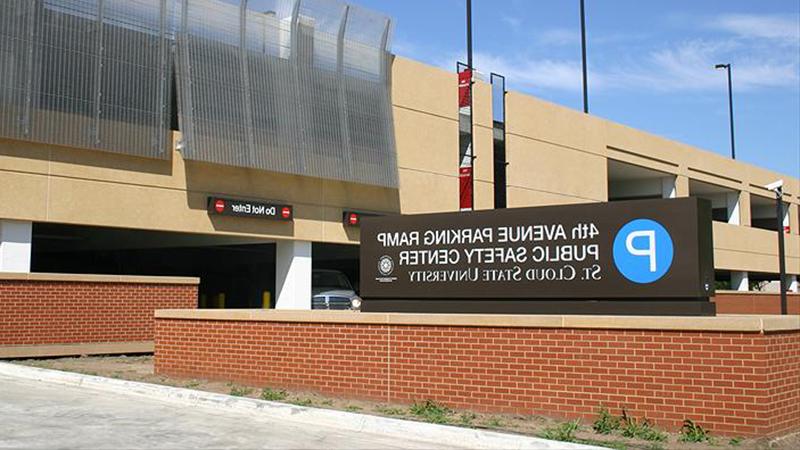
column 354, row 422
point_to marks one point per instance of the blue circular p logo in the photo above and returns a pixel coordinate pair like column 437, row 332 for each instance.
column 643, row 251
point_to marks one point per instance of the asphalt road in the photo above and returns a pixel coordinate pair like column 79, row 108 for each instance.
column 42, row 414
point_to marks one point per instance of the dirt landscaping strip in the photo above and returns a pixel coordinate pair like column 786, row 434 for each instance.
column 643, row 435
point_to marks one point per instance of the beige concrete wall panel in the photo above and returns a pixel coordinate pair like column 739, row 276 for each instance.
column 484, row 195
column 757, row 188
column 424, row 88
column 484, row 151
column 714, row 164
column 359, row 197
column 87, row 164
column 743, row 261
column 752, row 249
column 426, row 142
column 682, row 186
column 423, row 192
column 20, row 156
column 106, row 166
column 758, row 177
column 792, row 243
column 482, row 104
column 549, row 168
column 521, row 198
column 108, row 204
column 334, row 230
column 243, row 182
column 794, row 219
column 23, row 196
column 257, row 184
column 702, row 165
column 534, row 118
column 716, row 179
column 631, row 140
column 87, row 203
column 745, row 217
column 643, row 161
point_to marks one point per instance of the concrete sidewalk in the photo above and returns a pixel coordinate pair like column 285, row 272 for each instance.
column 42, row 408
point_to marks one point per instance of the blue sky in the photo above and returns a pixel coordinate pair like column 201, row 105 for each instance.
column 650, row 62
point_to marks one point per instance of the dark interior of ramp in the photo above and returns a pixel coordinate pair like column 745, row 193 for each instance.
column 234, row 272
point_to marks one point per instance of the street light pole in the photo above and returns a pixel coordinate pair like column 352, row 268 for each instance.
column 781, row 251
column 730, row 105
column 583, row 53
column 777, row 188
column 469, row 34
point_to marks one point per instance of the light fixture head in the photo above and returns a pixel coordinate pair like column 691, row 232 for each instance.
column 722, row 66
column 776, row 187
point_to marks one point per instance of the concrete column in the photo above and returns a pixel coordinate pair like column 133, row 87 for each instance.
column 794, row 218
column 293, row 275
column 668, row 187
column 740, row 281
column 15, row 245
column 681, row 186
column 734, row 214
column 744, row 209
column 792, row 285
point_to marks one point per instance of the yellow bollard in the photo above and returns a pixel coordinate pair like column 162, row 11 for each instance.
column 266, row 300
column 221, row 300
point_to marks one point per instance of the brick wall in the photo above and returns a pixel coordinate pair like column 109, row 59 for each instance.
column 34, row 312
column 754, row 303
column 733, row 383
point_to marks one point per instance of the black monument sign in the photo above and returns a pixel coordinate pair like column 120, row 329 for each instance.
column 633, row 257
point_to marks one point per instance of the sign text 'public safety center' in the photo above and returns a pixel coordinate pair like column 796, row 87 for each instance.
column 646, row 249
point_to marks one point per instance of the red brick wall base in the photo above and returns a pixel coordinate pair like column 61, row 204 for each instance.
column 744, row 384
column 754, row 303
column 36, row 313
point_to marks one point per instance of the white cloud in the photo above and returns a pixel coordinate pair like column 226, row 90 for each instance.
column 755, row 45
column 783, row 28
column 559, row 36
column 533, row 73
column 685, row 67
column 405, row 48
column 514, row 22
column 689, row 66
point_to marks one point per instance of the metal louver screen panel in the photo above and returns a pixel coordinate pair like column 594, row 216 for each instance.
column 87, row 73
column 299, row 87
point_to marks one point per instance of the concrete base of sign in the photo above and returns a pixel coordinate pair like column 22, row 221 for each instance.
column 700, row 307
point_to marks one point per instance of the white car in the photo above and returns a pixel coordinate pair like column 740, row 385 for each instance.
column 330, row 289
